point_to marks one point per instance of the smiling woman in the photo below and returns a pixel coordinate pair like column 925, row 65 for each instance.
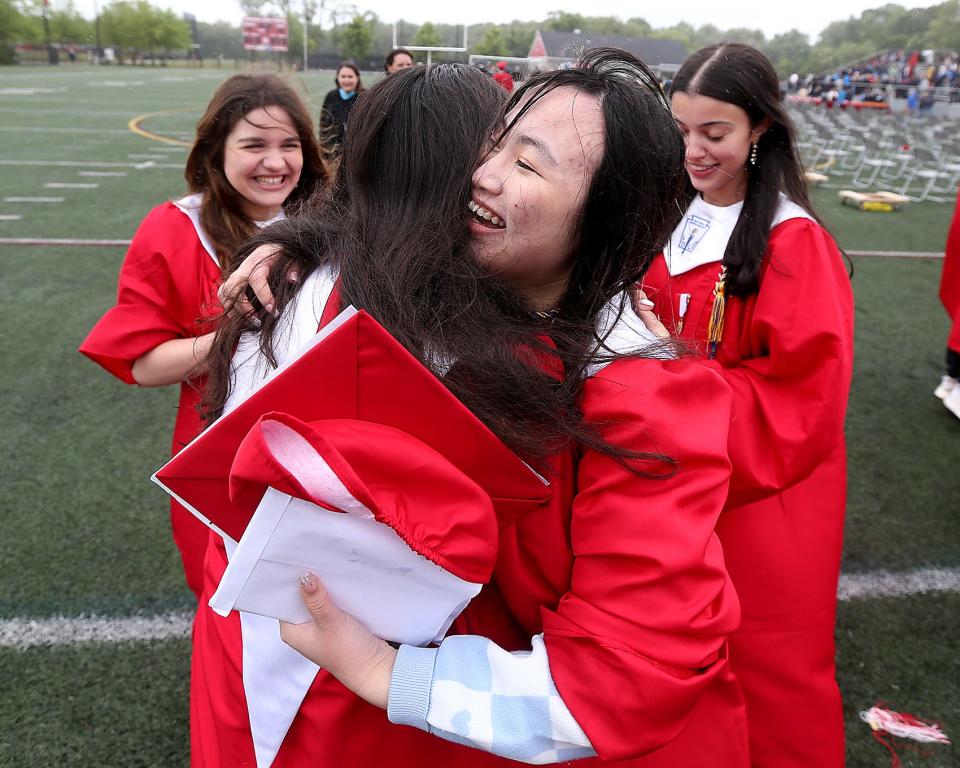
column 336, row 108
column 719, row 138
column 254, row 156
column 262, row 160
column 533, row 184
column 754, row 283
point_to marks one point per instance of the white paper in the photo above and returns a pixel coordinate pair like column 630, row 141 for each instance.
column 366, row 567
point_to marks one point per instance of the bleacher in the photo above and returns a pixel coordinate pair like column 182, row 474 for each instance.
column 915, row 80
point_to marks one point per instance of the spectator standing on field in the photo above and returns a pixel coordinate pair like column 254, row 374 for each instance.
column 254, row 157
column 504, row 79
column 949, row 389
column 337, row 105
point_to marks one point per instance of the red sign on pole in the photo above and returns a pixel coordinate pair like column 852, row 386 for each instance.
column 265, row 33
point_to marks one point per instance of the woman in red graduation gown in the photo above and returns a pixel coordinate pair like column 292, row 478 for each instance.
column 949, row 387
column 754, row 283
column 254, row 155
column 603, row 631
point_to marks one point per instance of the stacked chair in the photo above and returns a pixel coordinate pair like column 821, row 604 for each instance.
column 917, row 157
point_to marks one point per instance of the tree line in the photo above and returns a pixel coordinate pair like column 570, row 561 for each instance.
column 135, row 25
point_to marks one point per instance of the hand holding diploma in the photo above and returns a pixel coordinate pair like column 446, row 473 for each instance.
column 340, row 644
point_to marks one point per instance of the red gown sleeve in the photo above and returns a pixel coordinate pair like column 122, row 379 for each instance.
column 641, row 632
column 950, row 280
column 791, row 383
column 162, row 291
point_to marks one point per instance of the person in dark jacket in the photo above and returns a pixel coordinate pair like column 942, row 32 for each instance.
column 397, row 59
column 336, row 108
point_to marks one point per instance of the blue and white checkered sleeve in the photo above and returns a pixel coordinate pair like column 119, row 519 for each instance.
column 471, row 691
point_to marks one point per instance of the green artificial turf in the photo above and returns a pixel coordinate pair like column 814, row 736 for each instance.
column 123, row 706
column 905, row 654
column 84, row 527
column 915, row 227
column 86, row 532
column 903, row 445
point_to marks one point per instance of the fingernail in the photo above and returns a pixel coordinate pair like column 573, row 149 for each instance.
column 293, row 276
column 308, row 582
column 646, row 303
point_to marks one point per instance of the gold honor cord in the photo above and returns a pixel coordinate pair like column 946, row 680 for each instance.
column 715, row 328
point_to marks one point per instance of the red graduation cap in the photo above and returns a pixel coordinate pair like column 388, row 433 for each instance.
column 368, row 469
column 358, row 371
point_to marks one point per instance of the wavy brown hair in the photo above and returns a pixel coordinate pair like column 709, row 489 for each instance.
column 222, row 213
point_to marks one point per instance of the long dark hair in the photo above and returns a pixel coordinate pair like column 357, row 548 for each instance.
column 396, row 229
column 221, row 213
column 629, row 210
column 743, row 76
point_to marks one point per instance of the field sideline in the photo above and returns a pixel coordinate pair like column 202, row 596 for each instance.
column 86, row 534
column 66, row 630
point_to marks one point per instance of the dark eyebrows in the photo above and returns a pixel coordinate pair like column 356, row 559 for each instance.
column 708, row 124
column 260, row 140
column 541, row 147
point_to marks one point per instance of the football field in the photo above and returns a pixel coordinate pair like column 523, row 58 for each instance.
column 94, row 617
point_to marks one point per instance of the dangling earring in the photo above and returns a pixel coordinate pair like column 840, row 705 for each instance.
column 753, row 154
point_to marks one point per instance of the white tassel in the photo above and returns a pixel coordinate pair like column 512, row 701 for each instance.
column 903, row 726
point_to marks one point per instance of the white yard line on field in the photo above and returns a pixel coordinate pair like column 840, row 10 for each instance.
column 33, row 199
column 46, row 129
column 103, row 174
column 87, row 164
column 899, row 254
column 60, row 242
column 70, row 185
column 64, row 630
column 876, row 584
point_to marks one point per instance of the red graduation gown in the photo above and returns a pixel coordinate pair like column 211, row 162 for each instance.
column 167, row 283
column 787, row 354
column 623, row 574
column 950, row 281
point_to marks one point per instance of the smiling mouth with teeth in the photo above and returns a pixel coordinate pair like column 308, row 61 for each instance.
column 270, row 181
column 485, row 217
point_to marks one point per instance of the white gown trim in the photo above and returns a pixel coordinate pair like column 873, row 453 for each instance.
column 275, row 677
column 190, row 205
column 703, row 234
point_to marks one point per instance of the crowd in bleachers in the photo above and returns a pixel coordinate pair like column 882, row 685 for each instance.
column 919, row 68
column 917, row 75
